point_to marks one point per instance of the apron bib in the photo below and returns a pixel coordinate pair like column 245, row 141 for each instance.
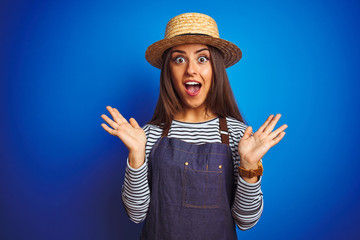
column 191, row 189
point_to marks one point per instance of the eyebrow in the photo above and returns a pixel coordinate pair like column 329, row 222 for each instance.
column 200, row 50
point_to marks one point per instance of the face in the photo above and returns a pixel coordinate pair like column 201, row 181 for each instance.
column 191, row 74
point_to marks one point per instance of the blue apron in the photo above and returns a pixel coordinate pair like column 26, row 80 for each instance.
column 191, row 190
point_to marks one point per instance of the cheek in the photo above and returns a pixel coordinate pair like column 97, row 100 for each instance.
column 175, row 82
column 176, row 76
column 207, row 74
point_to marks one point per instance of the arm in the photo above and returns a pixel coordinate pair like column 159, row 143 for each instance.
column 248, row 203
column 135, row 191
column 251, row 149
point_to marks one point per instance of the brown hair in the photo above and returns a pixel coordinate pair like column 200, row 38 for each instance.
column 220, row 99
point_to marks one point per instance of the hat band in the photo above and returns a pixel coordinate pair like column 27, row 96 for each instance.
column 200, row 34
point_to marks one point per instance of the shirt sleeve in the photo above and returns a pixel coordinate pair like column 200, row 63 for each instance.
column 248, row 204
column 135, row 192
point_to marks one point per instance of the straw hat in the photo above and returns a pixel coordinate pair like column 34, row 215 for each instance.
column 192, row 28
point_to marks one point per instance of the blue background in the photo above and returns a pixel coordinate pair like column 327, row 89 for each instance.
column 63, row 62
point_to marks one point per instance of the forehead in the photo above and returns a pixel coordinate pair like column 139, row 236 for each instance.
column 192, row 47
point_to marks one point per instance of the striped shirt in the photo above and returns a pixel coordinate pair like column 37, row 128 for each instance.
column 248, row 202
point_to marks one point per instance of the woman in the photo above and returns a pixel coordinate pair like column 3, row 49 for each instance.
column 195, row 169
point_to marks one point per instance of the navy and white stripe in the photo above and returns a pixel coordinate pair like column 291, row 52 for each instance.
column 248, row 203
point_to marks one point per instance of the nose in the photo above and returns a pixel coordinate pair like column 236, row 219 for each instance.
column 191, row 67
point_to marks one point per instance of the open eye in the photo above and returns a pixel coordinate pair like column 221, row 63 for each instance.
column 203, row 59
column 179, row 60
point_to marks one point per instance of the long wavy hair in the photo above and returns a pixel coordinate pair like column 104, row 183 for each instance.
column 220, row 99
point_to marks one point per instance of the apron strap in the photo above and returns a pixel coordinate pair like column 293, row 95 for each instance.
column 224, row 131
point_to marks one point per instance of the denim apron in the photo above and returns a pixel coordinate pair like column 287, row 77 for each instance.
column 191, row 190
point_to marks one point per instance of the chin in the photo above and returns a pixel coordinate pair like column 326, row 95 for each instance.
column 195, row 105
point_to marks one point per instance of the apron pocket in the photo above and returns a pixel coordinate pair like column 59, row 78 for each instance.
column 201, row 188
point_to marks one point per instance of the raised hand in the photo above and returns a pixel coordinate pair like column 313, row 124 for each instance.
column 253, row 147
column 130, row 133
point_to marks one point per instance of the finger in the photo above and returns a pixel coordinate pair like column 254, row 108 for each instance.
column 134, row 123
column 247, row 132
column 109, row 130
column 122, row 119
column 278, row 138
column 113, row 124
column 115, row 115
column 272, row 123
column 278, row 131
column 261, row 129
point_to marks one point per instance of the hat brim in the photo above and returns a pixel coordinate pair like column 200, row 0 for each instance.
column 232, row 53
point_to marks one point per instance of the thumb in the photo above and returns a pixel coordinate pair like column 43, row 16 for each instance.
column 133, row 123
column 247, row 133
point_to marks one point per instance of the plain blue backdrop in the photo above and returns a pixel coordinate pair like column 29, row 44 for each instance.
column 63, row 62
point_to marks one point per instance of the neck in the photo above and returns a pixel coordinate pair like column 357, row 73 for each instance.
column 194, row 115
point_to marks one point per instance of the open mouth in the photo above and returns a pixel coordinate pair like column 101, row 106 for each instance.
column 192, row 88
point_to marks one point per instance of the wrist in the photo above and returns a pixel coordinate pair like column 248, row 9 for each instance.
column 244, row 163
column 251, row 173
column 136, row 159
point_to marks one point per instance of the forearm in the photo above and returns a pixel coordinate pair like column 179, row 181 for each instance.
column 248, row 204
column 136, row 192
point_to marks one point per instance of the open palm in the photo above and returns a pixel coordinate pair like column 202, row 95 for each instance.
column 253, row 147
column 130, row 133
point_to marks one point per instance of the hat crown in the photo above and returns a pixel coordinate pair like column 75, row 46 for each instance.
column 191, row 23
column 192, row 28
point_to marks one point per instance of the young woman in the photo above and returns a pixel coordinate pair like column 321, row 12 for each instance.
column 195, row 169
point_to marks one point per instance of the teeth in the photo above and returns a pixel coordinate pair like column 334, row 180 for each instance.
column 192, row 83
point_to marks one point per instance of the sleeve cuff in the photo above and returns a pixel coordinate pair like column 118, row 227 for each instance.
column 135, row 169
column 251, row 185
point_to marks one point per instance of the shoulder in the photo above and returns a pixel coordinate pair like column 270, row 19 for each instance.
column 236, row 128
column 235, row 124
column 152, row 130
